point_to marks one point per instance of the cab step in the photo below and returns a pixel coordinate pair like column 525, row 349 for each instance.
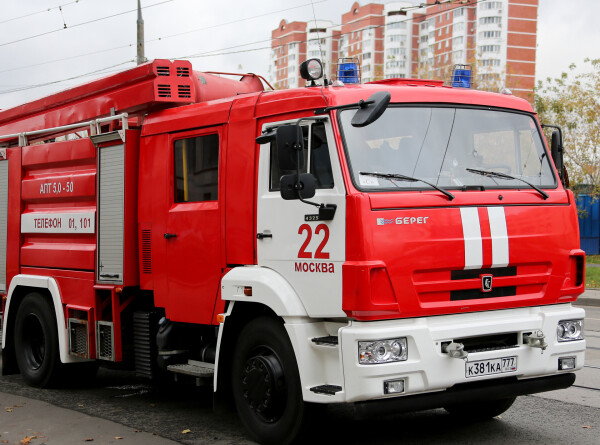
column 330, row 340
column 200, row 370
column 329, row 390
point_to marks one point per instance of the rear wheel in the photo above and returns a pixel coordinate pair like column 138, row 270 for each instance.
column 36, row 341
column 480, row 410
column 266, row 383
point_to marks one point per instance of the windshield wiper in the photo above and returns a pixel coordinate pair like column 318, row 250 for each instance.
column 493, row 174
column 391, row 176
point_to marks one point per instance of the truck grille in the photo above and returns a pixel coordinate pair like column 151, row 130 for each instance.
column 443, row 286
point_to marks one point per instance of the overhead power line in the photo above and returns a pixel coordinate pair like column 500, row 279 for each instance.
column 158, row 39
column 38, row 12
column 224, row 51
column 91, row 73
column 82, row 23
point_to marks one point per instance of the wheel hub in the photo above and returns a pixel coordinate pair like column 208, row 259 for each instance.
column 263, row 386
column 34, row 342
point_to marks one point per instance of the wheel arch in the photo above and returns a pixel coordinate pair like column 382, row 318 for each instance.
column 22, row 285
column 237, row 315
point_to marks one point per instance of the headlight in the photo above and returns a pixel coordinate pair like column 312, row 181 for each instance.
column 382, row 351
column 569, row 330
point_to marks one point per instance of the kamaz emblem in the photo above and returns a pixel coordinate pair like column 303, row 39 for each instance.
column 486, row 283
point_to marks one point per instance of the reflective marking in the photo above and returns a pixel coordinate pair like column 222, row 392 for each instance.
column 499, row 236
column 472, row 235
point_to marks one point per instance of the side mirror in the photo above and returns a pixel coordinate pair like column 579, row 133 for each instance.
column 302, row 186
column 371, row 109
column 556, row 148
column 289, row 142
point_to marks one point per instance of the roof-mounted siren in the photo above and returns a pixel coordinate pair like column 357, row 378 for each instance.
column 349, row 70
column 311, row 70
column 461, row 76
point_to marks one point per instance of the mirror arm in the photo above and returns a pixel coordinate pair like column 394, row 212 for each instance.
column 361, row 104
column 556, row 127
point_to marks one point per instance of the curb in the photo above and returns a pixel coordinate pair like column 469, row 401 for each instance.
column 587, row 301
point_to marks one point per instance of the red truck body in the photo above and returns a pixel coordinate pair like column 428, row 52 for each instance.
column 102, row 225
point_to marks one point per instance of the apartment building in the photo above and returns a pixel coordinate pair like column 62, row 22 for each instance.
column 398, row 40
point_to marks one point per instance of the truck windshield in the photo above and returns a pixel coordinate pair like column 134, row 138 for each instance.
column 440, row 144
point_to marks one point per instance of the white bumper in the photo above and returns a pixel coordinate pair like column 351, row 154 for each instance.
column 428, row 369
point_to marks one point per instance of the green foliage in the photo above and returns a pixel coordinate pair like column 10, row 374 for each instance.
column 592, row 277
column 572, row 101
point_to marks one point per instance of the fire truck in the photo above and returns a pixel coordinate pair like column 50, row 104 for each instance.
column 396, row 245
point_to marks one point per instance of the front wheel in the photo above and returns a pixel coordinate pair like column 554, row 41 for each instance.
column 36, row 341
column 266, row 383
column 480, row 410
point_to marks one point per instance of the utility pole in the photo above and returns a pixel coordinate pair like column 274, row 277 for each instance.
column 141, row 58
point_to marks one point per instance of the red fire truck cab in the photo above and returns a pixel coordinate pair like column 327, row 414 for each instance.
column 398, row 245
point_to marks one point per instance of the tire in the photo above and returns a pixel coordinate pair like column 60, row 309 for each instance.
column 266, row 383
column 480, row 410
column 36, row 341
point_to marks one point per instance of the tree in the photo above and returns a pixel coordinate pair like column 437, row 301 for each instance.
column 572, row 102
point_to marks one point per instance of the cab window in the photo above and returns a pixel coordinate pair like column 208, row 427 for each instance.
column 197, row 168
column 316, row 156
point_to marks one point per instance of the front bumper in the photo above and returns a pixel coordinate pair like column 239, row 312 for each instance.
column 429, row 370
column 465, row 393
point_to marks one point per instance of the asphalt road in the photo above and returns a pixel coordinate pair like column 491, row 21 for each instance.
column 569, row 416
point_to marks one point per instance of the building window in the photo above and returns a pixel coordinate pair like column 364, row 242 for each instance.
column 395, row 51
column 490, row 34
column 396, row 38
column 399, row 25
column 458, row 27
column 489, row 48
column 366, row 56
column 491, row 5
column 197, row 169
column 489, row 20
column 490, row 62
column 459, row 12
column 458, row 40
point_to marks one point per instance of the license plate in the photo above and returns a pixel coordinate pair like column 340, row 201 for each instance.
column 491, row 367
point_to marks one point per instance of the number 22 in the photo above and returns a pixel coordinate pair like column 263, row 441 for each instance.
column 302, row 253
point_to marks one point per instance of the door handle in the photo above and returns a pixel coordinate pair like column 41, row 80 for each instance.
column 170, row 235
column 264, row 235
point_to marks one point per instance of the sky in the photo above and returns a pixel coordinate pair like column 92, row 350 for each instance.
column 41, row 43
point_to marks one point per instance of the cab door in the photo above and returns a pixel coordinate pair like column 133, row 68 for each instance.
column 193, row 226
column 307, row 252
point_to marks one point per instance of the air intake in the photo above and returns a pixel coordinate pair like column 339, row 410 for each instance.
column 105, row 347
column 183, row 71
column 184, row 91
column 78, row 338
column 163, row 71
column 164, row 90
column 146, row 251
